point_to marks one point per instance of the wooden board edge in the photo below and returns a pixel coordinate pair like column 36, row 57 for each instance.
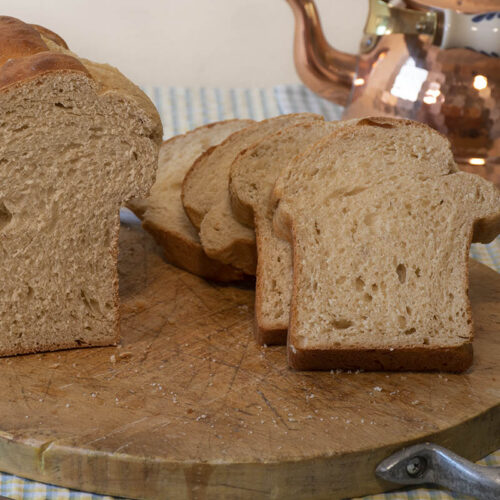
column 152, row 477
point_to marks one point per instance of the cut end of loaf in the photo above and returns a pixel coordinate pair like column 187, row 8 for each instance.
column 64, row 176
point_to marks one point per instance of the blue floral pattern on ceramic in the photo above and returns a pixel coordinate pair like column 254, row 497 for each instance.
column 478, row 32
column 479, row 18
column 487, row 16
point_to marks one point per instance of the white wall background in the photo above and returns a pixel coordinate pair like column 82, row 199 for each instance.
column 190, row 42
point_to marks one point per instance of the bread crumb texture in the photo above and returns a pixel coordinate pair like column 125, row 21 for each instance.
column 73, row 149
column 381, row 222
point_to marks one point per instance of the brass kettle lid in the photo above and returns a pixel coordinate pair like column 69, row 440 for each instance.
column 469, row 6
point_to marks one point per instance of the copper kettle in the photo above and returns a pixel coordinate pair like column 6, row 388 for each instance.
column 435, row 61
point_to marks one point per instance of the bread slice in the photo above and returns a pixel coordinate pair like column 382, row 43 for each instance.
column 162, row 212
column 206, row 199
column 381, row 223
column 252, row 177
column 77, row 140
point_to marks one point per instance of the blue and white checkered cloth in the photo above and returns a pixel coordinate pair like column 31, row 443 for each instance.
column 182, row 109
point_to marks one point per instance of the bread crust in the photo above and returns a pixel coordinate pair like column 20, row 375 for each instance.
column 189, row 256
column 51, row 35
column 25, row 55
column 450, row 359
column 180, row 250
column 18, row 71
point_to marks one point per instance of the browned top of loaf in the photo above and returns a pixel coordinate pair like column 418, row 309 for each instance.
column 50, row 35
column 28, row 51
column 24, row 55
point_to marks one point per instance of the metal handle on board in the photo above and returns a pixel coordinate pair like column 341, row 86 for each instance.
column 429, row 463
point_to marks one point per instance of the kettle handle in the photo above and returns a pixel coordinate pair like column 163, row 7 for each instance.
column 325, row 70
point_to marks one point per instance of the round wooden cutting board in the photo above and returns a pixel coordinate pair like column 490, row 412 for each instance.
column 188, row 406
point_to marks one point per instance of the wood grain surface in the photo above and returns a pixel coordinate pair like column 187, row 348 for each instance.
column 188, row 406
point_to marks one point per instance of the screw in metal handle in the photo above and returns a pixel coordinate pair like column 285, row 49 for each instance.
column 429, row 463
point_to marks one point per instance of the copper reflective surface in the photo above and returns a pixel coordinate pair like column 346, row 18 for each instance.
column 456, row 91
column 326, row 71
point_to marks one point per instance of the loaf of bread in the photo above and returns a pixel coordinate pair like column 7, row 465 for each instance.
column 206, row 199
column 77, row 140
column 381, row 222
column 162, row 212
column 252, row 177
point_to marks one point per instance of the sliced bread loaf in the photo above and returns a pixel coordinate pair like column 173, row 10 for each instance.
column 252, row 177
column 206, row 199
column 77, row 141
column 162, row 212
column 381, row 223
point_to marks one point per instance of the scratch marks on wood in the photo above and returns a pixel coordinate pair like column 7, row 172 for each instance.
column 272, row 408
column 243, row 488
column 119, row 430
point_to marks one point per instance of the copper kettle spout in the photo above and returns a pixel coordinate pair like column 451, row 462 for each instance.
column 326, row 71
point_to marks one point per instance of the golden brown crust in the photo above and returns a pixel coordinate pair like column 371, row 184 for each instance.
column 209, row 126
column 450, row 359
column 190, row 256
column 17, row 71
column 180, row 250
column 18, row 39
column 50, row 35
column 25, row 55
column 265, row 336
column 388, row 122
